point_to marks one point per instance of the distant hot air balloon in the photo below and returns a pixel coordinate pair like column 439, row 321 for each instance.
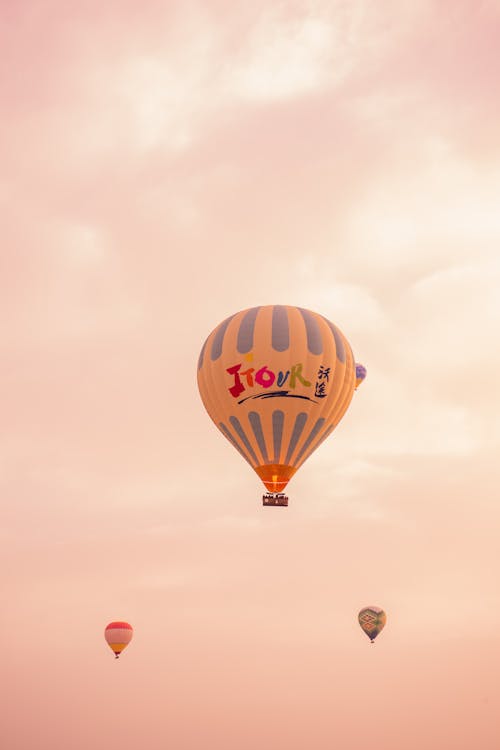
column 360, row 374
column 118, row 635
column 276, row 380
column 372, row 620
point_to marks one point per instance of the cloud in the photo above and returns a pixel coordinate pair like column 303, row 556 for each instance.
column 283, row 58
column 447, row 204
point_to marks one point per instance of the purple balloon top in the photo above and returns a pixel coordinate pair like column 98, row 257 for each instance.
column 360, row 372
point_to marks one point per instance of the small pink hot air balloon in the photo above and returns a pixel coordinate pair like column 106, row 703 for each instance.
column 118, row 635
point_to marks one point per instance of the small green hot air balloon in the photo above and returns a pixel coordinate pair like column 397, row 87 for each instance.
column 372, row 620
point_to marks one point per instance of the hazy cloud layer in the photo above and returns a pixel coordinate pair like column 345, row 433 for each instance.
column 165, row 165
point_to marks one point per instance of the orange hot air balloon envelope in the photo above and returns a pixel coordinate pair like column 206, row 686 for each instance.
column 276, row 380
column 372, row 621
column 118, row 635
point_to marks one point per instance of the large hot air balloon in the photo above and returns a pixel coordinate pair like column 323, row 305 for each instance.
column 118, row 635
column 276, row 380
column 372, row 620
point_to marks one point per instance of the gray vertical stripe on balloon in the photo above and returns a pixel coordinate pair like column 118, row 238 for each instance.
column 245, row 333
column 278, row 421
column 314, row 342
column 317, row 427
column 254, row 420
column 300, row 421
column 202, row 353
column 241, row 434
column 280, row 330
column 339, row 344
column 219, row 339
column 234, row 442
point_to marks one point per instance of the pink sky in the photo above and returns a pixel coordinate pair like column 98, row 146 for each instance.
column 163, row 165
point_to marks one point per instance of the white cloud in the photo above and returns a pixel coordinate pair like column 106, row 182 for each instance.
column 439, row 208
column 452, row 317
column 350, row 306
column 396, row 414
column 160, row 102
column 284, row 58
column 82, row 245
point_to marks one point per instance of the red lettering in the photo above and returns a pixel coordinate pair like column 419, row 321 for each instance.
column 238, row 386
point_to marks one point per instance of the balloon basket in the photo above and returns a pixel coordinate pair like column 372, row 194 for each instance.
column 275, row 499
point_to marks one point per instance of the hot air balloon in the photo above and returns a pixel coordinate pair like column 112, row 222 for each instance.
column 118, row 635
column 372, row 620
column 276, row 380
column 360, row 374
